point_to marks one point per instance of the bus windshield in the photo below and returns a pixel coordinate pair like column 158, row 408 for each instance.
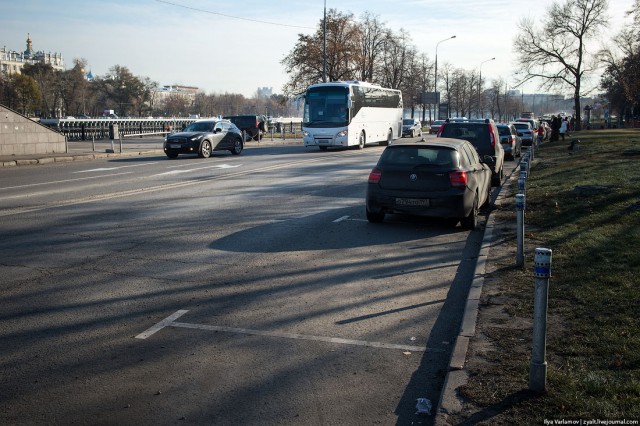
column 326, row 107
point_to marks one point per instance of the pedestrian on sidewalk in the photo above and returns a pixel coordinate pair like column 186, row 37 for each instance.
column 563, row 128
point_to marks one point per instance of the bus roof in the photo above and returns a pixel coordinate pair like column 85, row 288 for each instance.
column 346, row 84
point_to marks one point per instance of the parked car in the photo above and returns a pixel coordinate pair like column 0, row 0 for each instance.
column 411, row 127
column 533, row 123
column 444, row 178
column 253, row 125
column 435, row 126
column 483, row 135
column 511, row 142
column 204, row 137
column 525, row 132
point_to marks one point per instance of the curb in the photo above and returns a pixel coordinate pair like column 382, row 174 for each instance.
column 456, row 375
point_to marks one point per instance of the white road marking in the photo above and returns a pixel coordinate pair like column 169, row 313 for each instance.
column 340, row 219
column 106, row 169
column 162, row 324
column 62, row 181
column 170, row 322
column 217, row 166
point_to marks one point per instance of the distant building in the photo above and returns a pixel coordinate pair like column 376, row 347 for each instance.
column 12, row 62
column 163, row 93
column 265, row 92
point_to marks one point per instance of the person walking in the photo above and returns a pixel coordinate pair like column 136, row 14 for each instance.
column 563, row 129
column 540, row 134
column 555, row 128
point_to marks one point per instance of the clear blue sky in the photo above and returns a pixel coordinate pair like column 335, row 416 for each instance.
column 219, row 53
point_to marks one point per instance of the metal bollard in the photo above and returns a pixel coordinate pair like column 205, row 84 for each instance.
column 93, row 142
column 120, row 137
column 520, row 206
column 525, row 166
column 531, row 149
column 542, row 274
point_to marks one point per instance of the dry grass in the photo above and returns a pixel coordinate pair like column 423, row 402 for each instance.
column 586, row 208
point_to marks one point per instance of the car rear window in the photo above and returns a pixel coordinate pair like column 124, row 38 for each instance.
column 504, row 131
column 522, row 126
column 414, row 156
column 476, row 133
column 407, row 122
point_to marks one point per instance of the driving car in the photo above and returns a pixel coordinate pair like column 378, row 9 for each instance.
column 525, row 132
column 511, row 142
column 444, row 178
column 203, row 137
column 483, row 135
column 411, row 127
column 435, row 126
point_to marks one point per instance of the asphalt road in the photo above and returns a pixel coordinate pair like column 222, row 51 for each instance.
column 235, row 290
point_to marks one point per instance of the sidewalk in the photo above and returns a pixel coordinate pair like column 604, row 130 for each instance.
column 131, row 147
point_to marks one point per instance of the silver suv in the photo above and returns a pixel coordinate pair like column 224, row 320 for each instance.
column 484, row 136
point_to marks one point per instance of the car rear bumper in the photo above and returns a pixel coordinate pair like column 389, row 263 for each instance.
column 449, row 205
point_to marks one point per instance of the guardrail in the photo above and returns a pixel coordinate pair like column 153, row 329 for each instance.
column 98, row 128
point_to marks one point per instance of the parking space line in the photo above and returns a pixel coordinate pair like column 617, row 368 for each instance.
column 170, row 321
column 162, row 324
column 298, row 336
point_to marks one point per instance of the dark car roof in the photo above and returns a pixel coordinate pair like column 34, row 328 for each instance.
column 448, row 142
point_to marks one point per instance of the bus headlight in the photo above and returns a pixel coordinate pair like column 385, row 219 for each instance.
column 342, row 134
column 305, row 134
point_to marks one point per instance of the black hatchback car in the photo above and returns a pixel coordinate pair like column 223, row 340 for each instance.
column 443, row 178
column 484, row 136
column 203, row 137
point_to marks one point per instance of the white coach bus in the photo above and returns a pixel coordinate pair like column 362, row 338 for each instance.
column 351, row 113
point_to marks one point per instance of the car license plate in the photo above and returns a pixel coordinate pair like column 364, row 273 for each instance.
column 412, row 202
column 175, row 146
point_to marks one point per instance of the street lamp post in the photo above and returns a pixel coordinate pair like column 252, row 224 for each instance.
column 435, row 79
column 479, row 86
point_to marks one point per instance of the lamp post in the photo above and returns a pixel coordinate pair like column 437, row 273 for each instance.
column 479, row 84
column 435, row 79
column 324, row 44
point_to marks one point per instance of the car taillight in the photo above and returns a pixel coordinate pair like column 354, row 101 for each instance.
column 458, row 179
column 375, row 175
column 440, row 130
column 493, row 137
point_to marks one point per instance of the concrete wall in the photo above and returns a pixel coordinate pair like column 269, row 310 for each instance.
column 22, row 136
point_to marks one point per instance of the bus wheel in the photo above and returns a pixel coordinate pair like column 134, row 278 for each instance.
column 361, row 140
column 389, row 138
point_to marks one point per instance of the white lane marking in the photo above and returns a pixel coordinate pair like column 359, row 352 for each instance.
column 340, row 219
column 170, row 321
column 217, row 166
column 162, row 324
column 106, row 169
column 62, row 181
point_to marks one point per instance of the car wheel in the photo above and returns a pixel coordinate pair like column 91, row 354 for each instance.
column 172, row 154
column 496, row 178
column 375, row 217
column 361, row 140
column 471, row 221
column 205, row 149
column 237, row 147
column 487, row 202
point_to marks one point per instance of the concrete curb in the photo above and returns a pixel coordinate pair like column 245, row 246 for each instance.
column 457, row 376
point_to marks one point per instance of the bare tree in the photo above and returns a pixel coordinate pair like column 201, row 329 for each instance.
column 557, row 53
column 370, row 45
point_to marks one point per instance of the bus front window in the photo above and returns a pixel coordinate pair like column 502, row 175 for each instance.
column 326, row 107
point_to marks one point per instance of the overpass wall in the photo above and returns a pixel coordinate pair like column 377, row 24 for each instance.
column 21, row 136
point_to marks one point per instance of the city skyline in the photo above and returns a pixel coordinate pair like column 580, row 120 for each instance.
column 221, row 48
